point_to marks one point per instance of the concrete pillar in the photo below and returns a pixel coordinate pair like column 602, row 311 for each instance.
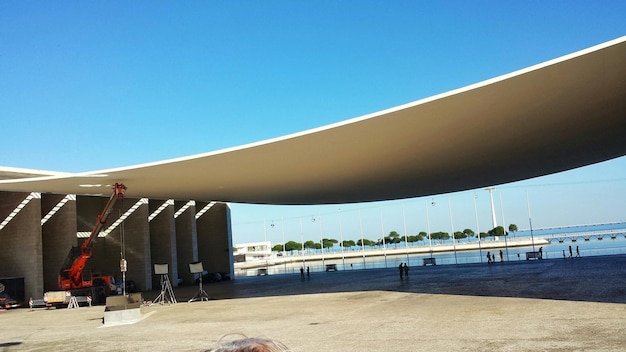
column 163, row 238
column 137, row 244
column 215, row 238
column 186, row 239
column 105, row 253
column 20, row 240
column 58, row 234
column 129, row 239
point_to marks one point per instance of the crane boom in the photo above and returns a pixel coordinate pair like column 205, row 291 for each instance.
column 71, row 275
column 118, row 193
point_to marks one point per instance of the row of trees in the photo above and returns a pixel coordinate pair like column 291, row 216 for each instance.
column 394, row 238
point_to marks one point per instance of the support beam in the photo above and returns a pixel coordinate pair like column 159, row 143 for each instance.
column 163, row 238
column 58, row 232
column 186, row 239
column 20, row 238
column 215, row 238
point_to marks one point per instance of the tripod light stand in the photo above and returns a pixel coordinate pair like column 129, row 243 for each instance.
column 197, row 268
column 167, row 294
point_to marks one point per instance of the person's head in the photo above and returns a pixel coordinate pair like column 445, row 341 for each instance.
column 249, row 344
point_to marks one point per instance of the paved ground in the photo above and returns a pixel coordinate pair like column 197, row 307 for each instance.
column 551, row 305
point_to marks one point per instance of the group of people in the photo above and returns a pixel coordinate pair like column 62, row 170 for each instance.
column 570, row 252
column 404, row 270
column 491, row 258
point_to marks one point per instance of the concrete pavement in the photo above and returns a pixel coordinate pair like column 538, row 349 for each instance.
column 549, row 305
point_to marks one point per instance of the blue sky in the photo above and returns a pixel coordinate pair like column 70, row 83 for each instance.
column 95, row 85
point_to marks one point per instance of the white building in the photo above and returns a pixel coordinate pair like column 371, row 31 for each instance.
column 252, row 251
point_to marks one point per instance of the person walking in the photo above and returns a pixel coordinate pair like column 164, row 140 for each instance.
column 406, row 270
column 401, row 270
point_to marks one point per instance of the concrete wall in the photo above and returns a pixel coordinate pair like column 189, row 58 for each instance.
column 186, row 241
column 163, row 240
column 130, row 239
column 36, row 251
column 58, row 236
column 215, row 238
column 136, row 243
column 106, row 251
column 20, row 241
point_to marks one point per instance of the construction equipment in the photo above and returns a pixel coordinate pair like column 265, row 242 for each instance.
column 73, row 276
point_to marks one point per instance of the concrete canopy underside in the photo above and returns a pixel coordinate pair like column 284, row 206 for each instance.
column 559, row 115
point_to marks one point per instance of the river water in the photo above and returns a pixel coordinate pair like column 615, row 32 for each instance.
column 591, row 240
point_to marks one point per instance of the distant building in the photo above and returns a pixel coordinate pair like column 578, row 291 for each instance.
column 252, row 251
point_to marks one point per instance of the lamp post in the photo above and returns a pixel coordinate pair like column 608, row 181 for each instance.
column 382, row 229
column 480, row 251
column 506, row 233
column 321, row 237
column 362, row 240
column 493, row 209
column 452, row 227
column 302, row 240
column 265, row 240
column 283, row 252
column 430, row 241
column 282, row 228
column 343, row 258
column 530, row 222
column 406, row 242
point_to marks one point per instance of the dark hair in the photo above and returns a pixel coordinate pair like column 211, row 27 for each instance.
column 249, row 344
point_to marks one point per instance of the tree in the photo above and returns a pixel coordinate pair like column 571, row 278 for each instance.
column 459, row 235
column 329, row 242
column 394, row 238
column 441, row 236
column 348, row 243
column 513, row 228
column 414, row 238
column 468, row 233
column 293, row 246
column 310, row 244
column 277, row 247
column 497, row 231
column 365, row 242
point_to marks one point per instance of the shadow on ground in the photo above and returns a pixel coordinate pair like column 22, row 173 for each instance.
column 592, row 279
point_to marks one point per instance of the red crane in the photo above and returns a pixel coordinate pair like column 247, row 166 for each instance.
column 72, row 275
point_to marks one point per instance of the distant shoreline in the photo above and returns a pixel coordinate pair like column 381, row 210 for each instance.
column 400, row 250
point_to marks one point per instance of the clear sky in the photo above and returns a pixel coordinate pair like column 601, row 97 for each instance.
column 95, row 85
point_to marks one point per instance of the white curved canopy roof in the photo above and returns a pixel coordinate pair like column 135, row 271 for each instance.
column 552, row 117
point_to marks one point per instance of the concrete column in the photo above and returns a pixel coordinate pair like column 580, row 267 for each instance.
column 163, row 238
column 186, row 240
column 20, row 240
column 58, row 231
column 106, row 252
column 129, row 239
column 215, row 238
column 137, row 244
